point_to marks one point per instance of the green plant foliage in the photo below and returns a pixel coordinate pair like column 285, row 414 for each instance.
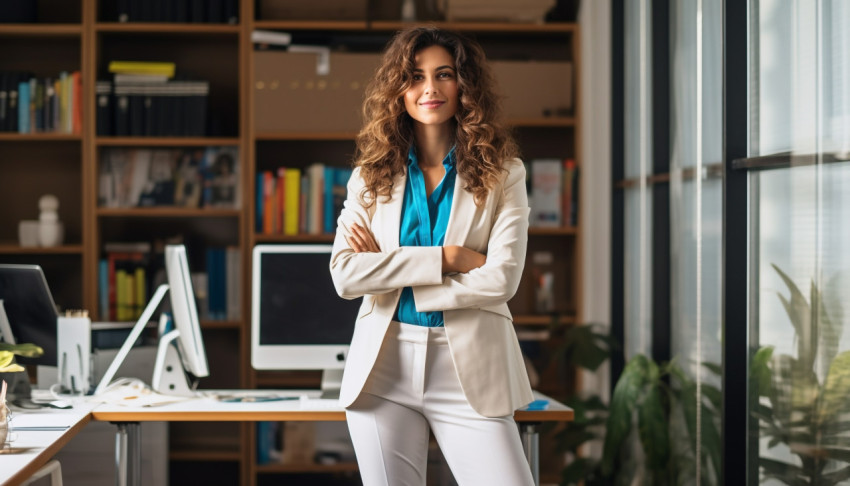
column 795, row 407
column 8, row 352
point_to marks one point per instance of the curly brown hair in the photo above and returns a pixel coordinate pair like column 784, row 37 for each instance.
column 482, row 141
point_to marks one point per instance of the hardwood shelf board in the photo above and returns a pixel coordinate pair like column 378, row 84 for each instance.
column 168, row 212
column 541, row 320
column 15, row 249
column 164, row 141
column 273, row 468
column 496, row 27
column 301, row 238
column 561, row 231
column 167, row 28
column 205, row 455
column 311, row 24
column 41, row 30
column 219, row 324
column 550, row 121
column 40, row 137
column 273, row 136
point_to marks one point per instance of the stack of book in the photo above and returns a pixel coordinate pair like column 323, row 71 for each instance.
column 40, row 105
column 191, row 177
column 145, row 100
column 553, row 193
column 290, row 202
column 208, row 11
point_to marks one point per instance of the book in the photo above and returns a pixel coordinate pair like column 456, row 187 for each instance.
column 546, row 192
column 139, row 67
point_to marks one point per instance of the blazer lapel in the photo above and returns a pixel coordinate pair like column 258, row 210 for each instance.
column 391, row 221
column 460, row 219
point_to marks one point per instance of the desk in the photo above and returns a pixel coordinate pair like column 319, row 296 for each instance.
column 32, row 449
column 127, row 440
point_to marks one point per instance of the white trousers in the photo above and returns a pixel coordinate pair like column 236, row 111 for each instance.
column 412, row 389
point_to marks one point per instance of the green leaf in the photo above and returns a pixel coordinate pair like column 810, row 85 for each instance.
column 28, row 350
column 6, row 358
column 586, row 348
column 836, row 388
column 627, row 392
column 576, row 472
column 836, row 477
column 714, row 368
column 652, row 429
column 800, row 315
column 786, row 473
column 760, row 374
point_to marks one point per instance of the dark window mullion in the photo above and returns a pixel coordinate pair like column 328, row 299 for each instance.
column 735, row 209
column 661, row 192
column 618, row 161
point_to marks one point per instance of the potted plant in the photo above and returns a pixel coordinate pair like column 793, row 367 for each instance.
column 803, row 401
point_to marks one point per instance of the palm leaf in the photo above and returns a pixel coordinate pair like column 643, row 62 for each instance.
column 653, row 427
column 800, row 314
column 627, row 392
column 760, row 373
column 836, row 388
column 28, row 350
column 586, row 348
column 6, row 358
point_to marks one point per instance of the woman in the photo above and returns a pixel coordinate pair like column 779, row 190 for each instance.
column 433, row 236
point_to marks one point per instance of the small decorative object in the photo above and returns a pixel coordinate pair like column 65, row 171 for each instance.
column 408, row 10
column 50, row 229
column 28, row 233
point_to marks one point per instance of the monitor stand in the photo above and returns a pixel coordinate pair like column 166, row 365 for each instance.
column 169, row 375
column 331, row 383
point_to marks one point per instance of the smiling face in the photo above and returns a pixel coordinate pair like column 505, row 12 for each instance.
column 433, row 99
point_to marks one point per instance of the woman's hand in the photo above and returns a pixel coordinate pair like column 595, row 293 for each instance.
column 457, row 259
column 361, row 240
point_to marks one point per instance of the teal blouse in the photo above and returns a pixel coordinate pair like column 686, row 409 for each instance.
column 423, row 223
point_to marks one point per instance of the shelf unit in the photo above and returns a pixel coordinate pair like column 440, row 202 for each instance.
column 74, row 36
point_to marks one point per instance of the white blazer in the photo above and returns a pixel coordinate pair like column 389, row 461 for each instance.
column 478, row 324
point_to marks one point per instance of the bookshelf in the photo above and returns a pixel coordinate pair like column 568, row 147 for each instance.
column 80, row 35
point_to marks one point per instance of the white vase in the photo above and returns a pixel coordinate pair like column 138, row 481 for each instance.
column 50, row 233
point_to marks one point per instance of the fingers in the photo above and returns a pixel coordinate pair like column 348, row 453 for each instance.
column 361, row 240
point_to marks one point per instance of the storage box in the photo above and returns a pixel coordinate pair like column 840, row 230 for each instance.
column 533, row 89
column 291, row 92
column 313, row 9
column 532, row 11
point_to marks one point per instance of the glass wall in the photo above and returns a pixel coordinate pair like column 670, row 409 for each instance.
column 800, row 232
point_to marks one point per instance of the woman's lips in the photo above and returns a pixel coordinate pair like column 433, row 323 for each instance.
column 433, row 104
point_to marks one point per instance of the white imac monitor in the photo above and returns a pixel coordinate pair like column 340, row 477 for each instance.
column 298, row 322
column 180, row 358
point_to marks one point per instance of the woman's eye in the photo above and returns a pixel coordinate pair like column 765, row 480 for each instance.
column 444, row 75
column 418, row 77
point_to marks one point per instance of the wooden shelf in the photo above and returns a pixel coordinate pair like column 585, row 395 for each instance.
column 41, row 30
column 495, row 27
column 553, row 121
column 15, row 249
column 272, row 136
column 311, row 25
column 40, row 137
column 307, row 468
column 542, row 320
column 564, row 230
column 168, row 212
column 302, row 238
column 167, row 28
column 201, row 455
column 217, row 324
column 164, row 141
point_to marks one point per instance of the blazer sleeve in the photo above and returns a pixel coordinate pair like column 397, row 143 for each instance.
column 357, row 274
column 497, row 280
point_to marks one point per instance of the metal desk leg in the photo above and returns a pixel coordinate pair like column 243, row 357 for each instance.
column 531, row 446
column 128, row 454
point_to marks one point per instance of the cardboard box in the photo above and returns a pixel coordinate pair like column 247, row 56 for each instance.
column 291, row 94
column 533, row 89
column 527, row 11
column 313, row 9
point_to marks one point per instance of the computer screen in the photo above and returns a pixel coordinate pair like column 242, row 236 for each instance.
column 298, row 321
column 30, row 309
column 184, row 311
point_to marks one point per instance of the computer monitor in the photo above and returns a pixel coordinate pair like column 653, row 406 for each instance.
column 181, row 357
column 30, row 314
column 298, row 322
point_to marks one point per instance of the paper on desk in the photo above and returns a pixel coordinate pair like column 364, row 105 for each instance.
column 42, row 419
column 134, row 395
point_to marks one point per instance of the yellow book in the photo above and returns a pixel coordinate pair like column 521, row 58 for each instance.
column 121, row 295
column 139, row 67
column 292, row 201
column 141, row 299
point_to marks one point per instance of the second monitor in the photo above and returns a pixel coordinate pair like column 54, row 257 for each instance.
column 298, row 322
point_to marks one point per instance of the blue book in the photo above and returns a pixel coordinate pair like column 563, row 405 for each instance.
column 259, row 213
column 103, row 284
column 24, row 107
